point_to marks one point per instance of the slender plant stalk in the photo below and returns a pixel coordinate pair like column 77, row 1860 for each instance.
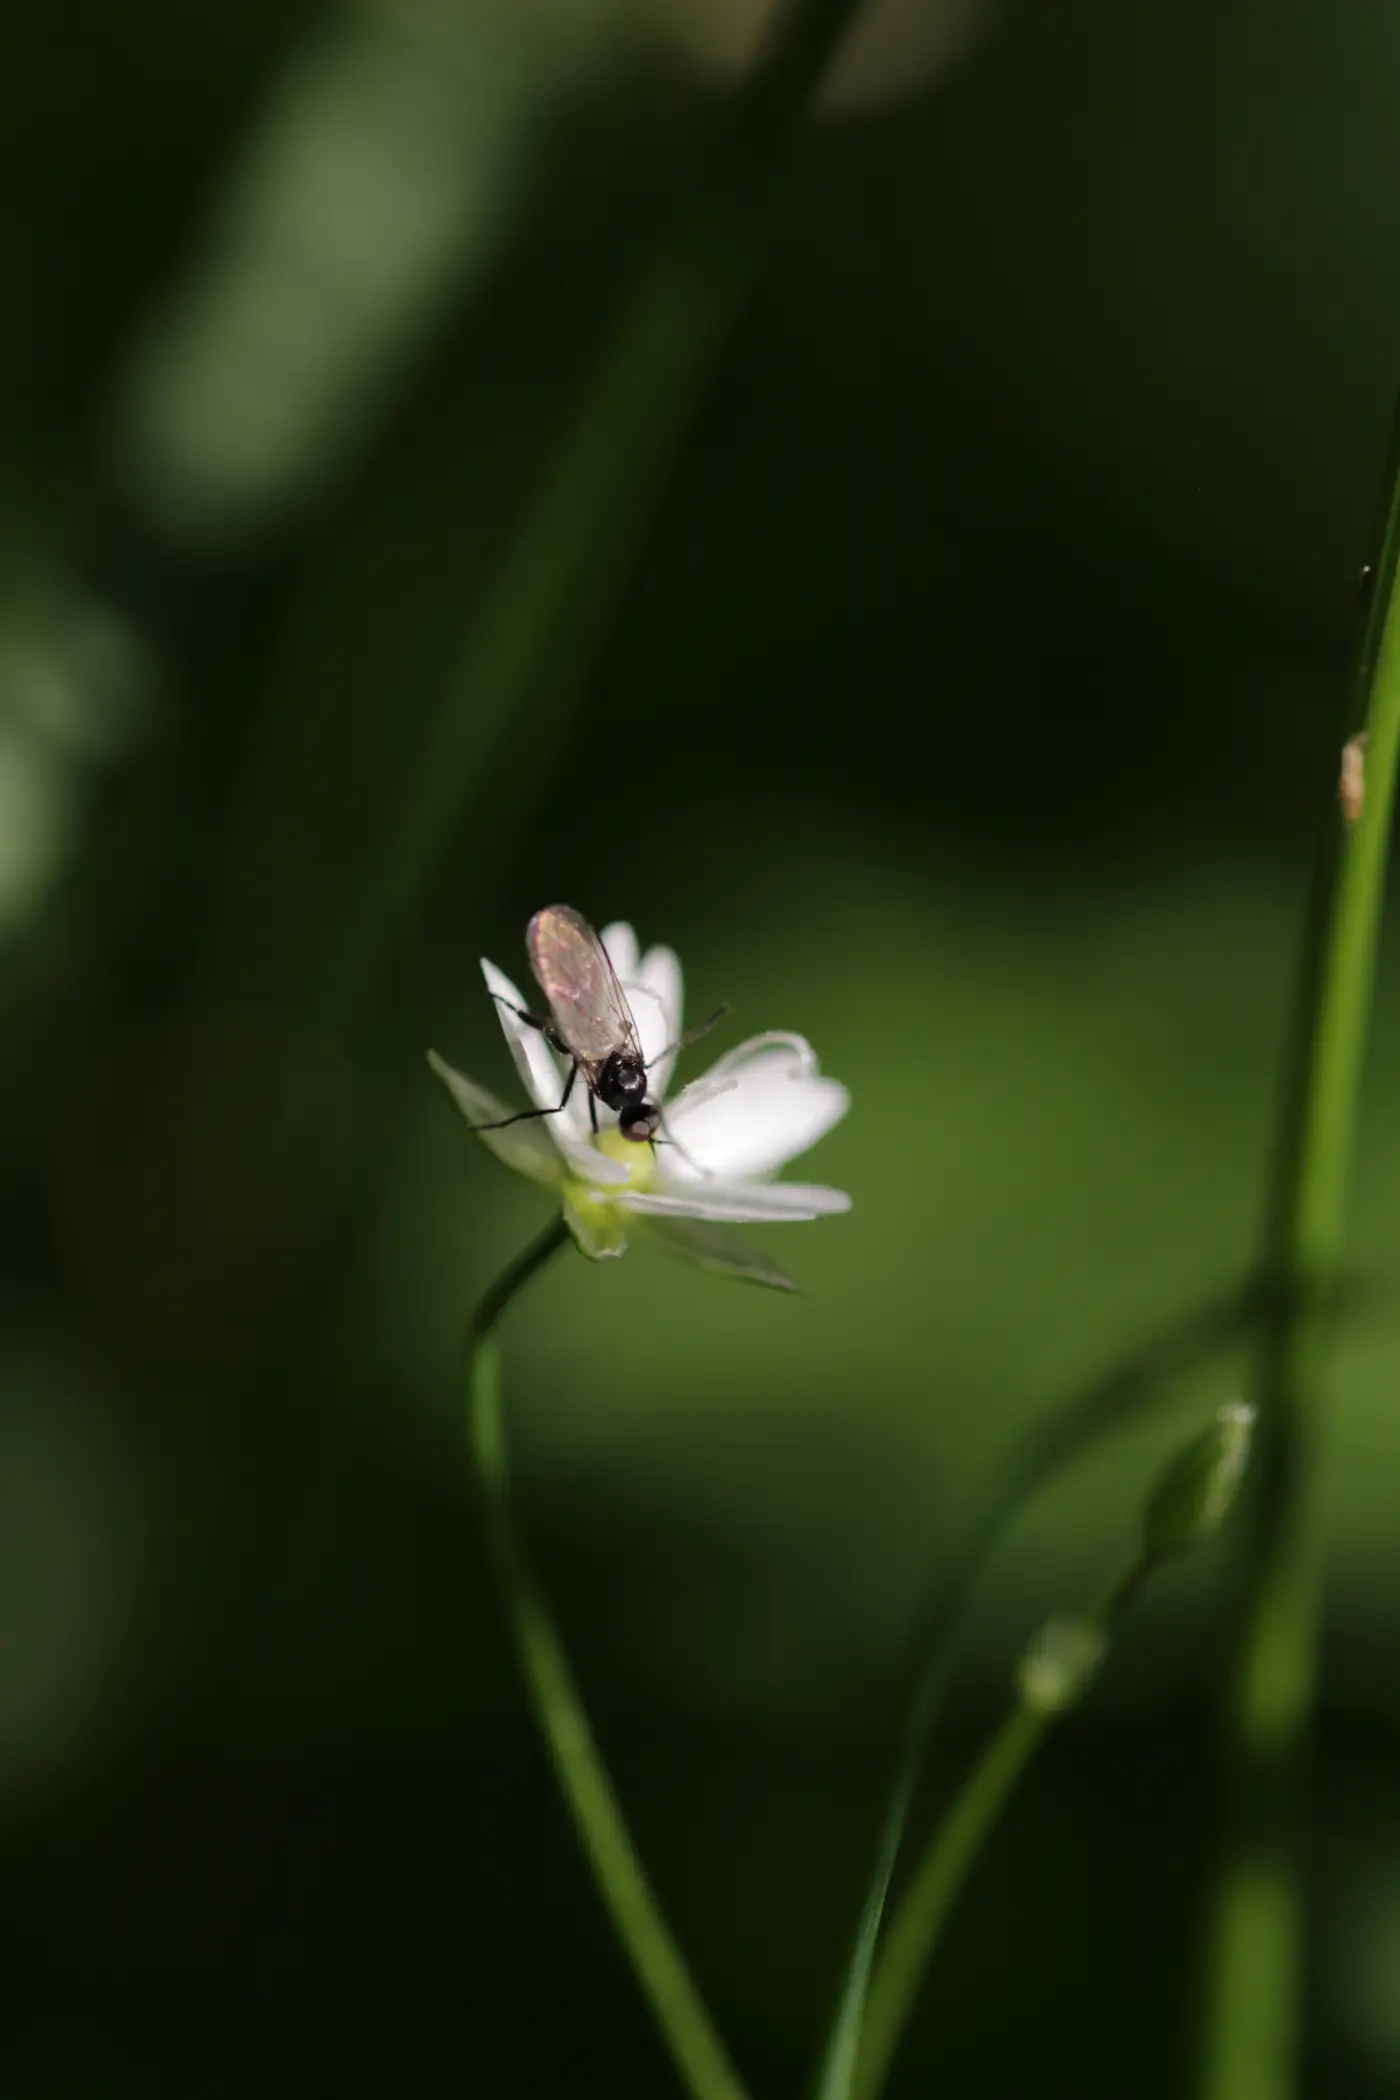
column 680, row 2012
column 686, row 2027
column 917, row 1925
column 1252, row 1982
column 956, row 1845
column 1127, row 1387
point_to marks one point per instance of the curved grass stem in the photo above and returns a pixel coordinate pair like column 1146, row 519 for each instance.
column 1126, row 1388
column 686, row 2027
column 956, row 1844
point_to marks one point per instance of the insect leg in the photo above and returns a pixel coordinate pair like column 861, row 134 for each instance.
column 528, row 1115
column 592, row 1108
column 545, row 1027
column 692, row 1035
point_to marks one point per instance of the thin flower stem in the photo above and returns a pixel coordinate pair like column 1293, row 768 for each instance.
column 1252, row 1984
column 1127, row 1387
column 511, row 1281
column 938, row 1880
column 955, row 1846
column 686, row 2027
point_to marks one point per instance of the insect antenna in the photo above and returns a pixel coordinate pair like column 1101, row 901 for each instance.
column 691, row 1035
column 705, row 1173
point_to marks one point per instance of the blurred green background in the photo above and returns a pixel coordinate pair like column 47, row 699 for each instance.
column 966, row 699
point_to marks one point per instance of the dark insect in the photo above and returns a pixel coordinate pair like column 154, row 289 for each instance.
column 590, row 1023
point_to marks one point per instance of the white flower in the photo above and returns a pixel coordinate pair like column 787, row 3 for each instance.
column 723, row 1137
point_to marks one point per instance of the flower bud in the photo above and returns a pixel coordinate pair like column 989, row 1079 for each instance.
column 1059, row 1663
column 1195, row 1490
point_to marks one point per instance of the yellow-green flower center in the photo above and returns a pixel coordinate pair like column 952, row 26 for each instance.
column 594, row 1218
column 639, row 1160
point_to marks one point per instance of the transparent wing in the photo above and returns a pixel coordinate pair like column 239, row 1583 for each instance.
column 585, row 1000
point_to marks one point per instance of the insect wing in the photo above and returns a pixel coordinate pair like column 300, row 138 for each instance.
column 580, row 985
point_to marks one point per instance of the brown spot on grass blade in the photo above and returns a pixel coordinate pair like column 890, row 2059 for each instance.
column 1351, row 780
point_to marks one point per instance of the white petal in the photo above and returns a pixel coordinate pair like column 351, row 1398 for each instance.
column 621, row 944
column 741, row 1202
column 658, row 1013
column 542, row 1072
column 587, row 1163
column 544, row 1075
column 756, row 1108
column 523, row 1146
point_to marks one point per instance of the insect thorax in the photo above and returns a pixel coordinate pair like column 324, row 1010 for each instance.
column 622, row 1081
